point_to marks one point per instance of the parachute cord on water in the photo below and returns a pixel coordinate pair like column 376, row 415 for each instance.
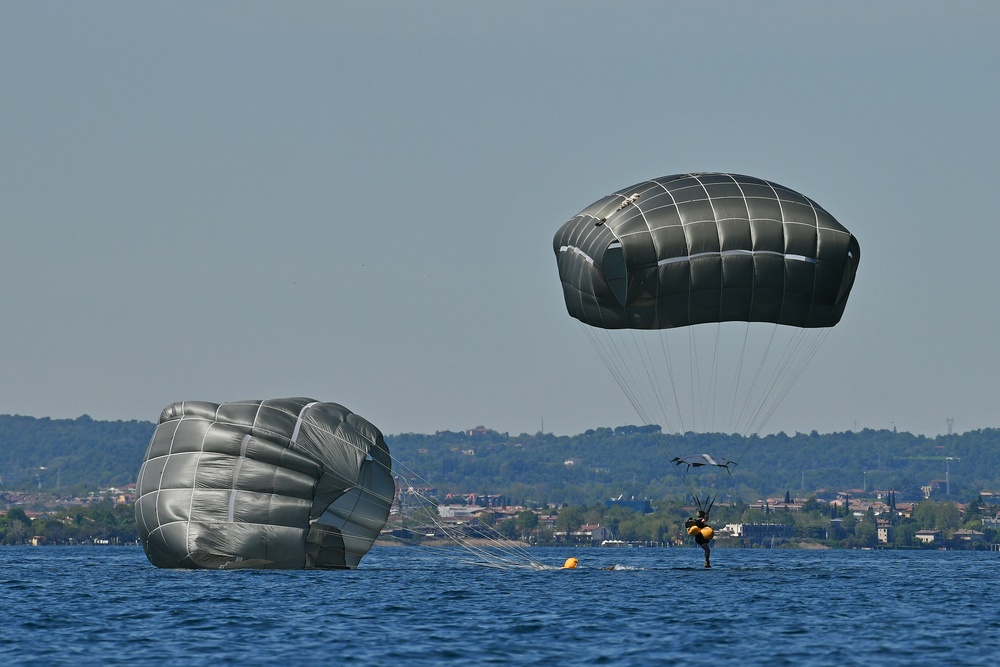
column 497, row 552
column 500, row 551
column 482, row 556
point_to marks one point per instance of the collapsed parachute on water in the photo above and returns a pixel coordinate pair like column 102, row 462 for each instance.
column 706, row 295
column 278, row 484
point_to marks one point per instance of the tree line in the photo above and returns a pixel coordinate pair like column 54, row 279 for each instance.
column 100, row 522
column 635, row 461
column 70, row 457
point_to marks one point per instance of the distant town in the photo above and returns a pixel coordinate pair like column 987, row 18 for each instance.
column 852, row 519
column 68, row 482
column 845, row 519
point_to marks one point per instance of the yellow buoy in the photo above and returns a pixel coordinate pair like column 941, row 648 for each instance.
column 570, row 563
column 707, row 533
column 694, row 530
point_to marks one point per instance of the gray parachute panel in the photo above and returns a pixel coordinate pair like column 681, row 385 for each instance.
column 705, row 247
column 258, row 484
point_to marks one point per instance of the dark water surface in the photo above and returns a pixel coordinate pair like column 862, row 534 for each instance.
column 412, row 606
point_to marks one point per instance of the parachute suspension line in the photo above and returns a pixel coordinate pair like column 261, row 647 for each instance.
column 708, row 373
column 624, row 362
column 704, row 344
column 778, row 377
column 804, row 348
column 693, row 491
column 711, row 491
column 669, row 365
column 705, row 505
column 798, row 351
column 698, row 403
column 622, row 354
column 721, row 489
column 760, row 363
column 733, row 425
column 655, row 383
column 714, row 388
column 759, row 382
column 616, row 364
column 748, row 404
column 682, row 476
column 777, row 373
column 695, row 377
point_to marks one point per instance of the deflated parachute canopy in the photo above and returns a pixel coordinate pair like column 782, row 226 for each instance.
column 286, row 483
column 705, row 247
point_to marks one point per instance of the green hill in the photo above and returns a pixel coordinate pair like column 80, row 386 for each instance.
column 65, row 455
column 635, row 461
column 74, row 455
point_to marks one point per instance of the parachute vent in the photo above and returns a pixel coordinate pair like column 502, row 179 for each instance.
column 615, row 271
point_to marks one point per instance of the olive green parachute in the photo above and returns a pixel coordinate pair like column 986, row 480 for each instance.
column 706, row 295
column 287, row 483
column 705, row 247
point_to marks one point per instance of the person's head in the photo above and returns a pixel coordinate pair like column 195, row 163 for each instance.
column 701, row 514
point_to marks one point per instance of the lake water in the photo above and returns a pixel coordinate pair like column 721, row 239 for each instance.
column 420, row 606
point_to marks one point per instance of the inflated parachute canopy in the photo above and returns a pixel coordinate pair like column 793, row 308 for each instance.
column 705, row 247
column 287, row 483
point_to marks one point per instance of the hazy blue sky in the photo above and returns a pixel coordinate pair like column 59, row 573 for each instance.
column 356, row 201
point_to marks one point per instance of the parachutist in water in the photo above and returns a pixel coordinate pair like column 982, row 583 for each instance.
column 703, row 534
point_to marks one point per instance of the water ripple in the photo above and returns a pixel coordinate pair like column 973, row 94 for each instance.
column 108, row 606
